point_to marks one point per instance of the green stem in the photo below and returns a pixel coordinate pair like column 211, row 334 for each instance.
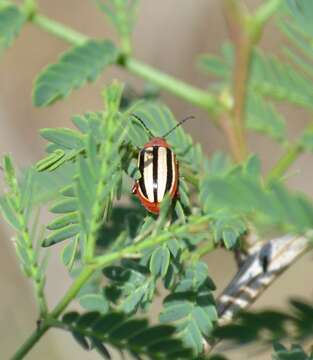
column 263, row 14
column 30, row 342
column 100, row 262
column 82, row 278
column 202, row 250
column 283, row 164
column 195, row 96
column 194, row 226
column 65, row 33
column 198, row 97
column 290, row 156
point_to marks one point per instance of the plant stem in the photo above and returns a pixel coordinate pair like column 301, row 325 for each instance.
column 100, row 262
column 195, row 96
column 61, row 31
column 289, row 157
column 236, row 18
column 30, row 342
column 194, row 226
column 83, row 277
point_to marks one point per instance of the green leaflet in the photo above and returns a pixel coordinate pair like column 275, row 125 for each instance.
column 220, row 66
column 75, row 67
column 61, row 234
column 10, row 214
column 191, row 307
column 11, row 22
column 228, row 228
column 159, row 262
column 134, row 287
column 64, row 206
column 94, row 302
column 64, row 220
column 295, row 353
column 306, row 140
column 245, row 195
column 131, row 335
column 262, row 117
column 64, row 138
column 66, row 144
column 70, row 253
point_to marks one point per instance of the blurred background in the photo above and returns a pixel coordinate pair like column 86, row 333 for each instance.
column 169, row 35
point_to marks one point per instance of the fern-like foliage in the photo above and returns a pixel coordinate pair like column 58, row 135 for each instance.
column 75, row 67
column 11, row 21
column 242, row 192
column 16, row 209
column 296, row 25
column 94, row 331
column 262, row 117
column 98, row 176
column 267, row 79
column 131, row 286
column 191, row 307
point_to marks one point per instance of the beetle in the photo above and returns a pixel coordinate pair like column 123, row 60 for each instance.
column 159, row 170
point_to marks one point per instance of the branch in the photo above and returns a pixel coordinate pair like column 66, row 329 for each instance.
column 293, row 151
column 244, row 30
column 98, row 263
column 283, row 164
column 30, row 342
column 198, row 97
column 236, row 18
column 262, row 267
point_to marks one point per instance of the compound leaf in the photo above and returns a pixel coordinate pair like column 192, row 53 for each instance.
column 75, row 67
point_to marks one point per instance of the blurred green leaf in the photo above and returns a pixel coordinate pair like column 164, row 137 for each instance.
column 263, row 118
column 246, row 196
column 228, row 227
column 75, row 67
column 295, row 353
column 306, row 140
column 61, row 234
column 128, row 334
column 11, row 21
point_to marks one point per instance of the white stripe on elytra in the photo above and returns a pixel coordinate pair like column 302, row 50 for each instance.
column 148, row 172
column 174, row 170
column 162, row 172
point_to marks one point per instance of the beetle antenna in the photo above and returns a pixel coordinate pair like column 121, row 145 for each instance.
column 143, row 124
column 177, row 125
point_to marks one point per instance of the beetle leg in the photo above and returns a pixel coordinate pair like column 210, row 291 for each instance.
column 135, row 188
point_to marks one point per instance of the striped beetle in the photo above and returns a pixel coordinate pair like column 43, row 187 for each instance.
column 159, row 170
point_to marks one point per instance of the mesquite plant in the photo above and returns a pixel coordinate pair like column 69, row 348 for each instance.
column 119, row 255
